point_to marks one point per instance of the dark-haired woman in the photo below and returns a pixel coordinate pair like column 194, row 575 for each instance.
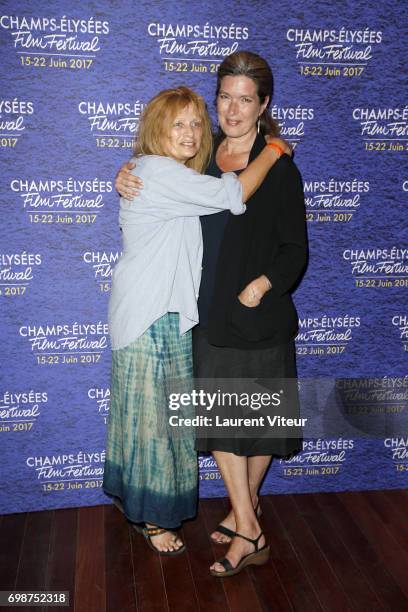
column 248, row 321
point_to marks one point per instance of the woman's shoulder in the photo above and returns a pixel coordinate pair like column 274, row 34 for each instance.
column 155, row 163
column 285, row 168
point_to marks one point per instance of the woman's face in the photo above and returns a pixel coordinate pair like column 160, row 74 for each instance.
column 184, row 138
column 238, row 106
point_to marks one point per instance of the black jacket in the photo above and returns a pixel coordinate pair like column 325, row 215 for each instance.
column 270, row 238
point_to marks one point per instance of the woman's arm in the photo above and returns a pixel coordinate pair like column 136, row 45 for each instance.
column 254, row 174
column 290, row 260
column 173, row 190
column 129, row 185
column 285, row 269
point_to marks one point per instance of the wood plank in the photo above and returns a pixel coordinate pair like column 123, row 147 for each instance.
column 387, row 547
column 239, row 590
column 32, row 569
column 62, row 556
column 178, row 582
column 210, row 593
column 269, row 588
column 312, row 550
column 295, row 581
column 120, row 587
column 12, row 531
column 391, row 509
column 90, row 561
column 360, row 549
column 347, row 571
column 148, row 576
column 321, row 544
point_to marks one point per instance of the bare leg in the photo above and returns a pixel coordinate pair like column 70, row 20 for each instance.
column 257, row 467
column 234, row 471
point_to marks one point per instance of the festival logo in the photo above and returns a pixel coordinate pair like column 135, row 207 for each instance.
column 66, row 472
column 101, row 398
column 401, row 323
column 196, row 47
column 292, row 121
column 19, row 411
column 208, row 469
column 383, row 129
column 17, row 272
column 59, row 202
column 78, row 343
column 371, row 405
column 397, row 447
column 333, row 200
column 53, row 42
column 112, row 124
column 319, row 457
column 333, row 53
column 13, row 120
column 405, row 186
column 102, row 264
column 378, row 268
column 326, row 335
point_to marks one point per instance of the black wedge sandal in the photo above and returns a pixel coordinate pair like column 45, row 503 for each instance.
column 258, row 557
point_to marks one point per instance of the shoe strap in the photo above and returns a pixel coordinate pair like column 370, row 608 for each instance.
column 226, row 564
column 253, row 541
column 153, row 531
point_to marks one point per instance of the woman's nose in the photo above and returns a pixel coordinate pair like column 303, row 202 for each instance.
column 233, row 107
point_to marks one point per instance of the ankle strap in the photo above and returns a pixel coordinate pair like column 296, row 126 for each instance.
column 253, row 541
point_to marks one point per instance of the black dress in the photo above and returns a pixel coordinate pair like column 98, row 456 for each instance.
column 234, row 341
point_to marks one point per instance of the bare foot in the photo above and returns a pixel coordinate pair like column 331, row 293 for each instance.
column 230, row 523
column 165, row 542
column 239, row 548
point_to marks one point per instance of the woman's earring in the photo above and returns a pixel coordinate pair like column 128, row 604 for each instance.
column 258, row 125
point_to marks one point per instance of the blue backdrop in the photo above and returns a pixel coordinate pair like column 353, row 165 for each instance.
column 75, row 78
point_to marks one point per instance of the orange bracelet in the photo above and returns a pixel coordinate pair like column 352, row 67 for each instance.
column 273, row 145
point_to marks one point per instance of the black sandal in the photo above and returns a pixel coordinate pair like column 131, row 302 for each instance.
column 150, row 532
column 228, row 532
column 225, row 531
column 258, row 557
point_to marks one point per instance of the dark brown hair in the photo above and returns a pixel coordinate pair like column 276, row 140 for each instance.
column 253, row 66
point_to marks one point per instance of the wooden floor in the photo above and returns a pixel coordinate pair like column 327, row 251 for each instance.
column 331, row 552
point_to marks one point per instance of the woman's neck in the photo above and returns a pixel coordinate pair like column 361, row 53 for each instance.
column 239, row 145
column 233, row 153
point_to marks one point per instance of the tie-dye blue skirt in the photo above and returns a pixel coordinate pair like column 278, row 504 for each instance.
column 151, row 466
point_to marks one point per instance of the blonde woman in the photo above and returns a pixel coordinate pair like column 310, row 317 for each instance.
column 151, row 467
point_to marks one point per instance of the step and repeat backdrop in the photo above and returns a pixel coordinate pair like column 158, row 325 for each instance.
column 75, row 78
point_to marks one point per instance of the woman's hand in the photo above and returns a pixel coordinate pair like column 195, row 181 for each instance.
column 253, row 293
column 281, row 143
column 126, row 183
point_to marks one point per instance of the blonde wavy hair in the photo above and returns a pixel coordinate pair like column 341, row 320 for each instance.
column 158, row 117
